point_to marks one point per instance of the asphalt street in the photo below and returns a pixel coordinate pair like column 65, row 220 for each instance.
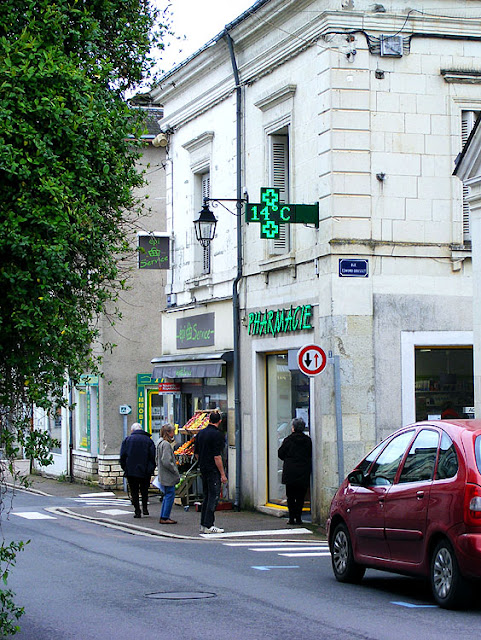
column 85, row 580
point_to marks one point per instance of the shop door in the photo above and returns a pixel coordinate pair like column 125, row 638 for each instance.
column 161, row 410
column 287, row 398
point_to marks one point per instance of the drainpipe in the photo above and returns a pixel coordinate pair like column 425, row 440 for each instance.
column 235, row 287
column 70, row 429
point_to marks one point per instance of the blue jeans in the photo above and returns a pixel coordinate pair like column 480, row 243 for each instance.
column 211, row 488
column 167, row 501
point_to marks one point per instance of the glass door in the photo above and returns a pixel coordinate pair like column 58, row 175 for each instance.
column 287, row 398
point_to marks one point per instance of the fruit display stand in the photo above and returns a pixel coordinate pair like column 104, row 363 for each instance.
column 186, row 489
column 199, row 421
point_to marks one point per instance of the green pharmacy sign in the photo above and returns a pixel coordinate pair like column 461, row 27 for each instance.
column 271, row 213
column 280, row 321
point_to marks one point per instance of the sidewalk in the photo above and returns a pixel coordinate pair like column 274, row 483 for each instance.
column 114, row 509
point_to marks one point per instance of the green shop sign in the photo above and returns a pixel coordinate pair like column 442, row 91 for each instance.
column 280, row 321
column 153, row 252
column 195, row 331
column 271, row 213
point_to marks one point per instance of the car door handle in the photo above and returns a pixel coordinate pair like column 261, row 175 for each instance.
column 420, row 495
column 381, row 501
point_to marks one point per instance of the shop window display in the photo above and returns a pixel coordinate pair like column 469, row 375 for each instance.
column 444, row 382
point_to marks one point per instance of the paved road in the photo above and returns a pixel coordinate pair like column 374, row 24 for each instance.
column 82, row 581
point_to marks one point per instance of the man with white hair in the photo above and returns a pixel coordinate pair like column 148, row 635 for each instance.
column 137, row 459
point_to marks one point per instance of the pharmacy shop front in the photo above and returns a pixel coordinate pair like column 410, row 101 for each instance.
column 275, row 393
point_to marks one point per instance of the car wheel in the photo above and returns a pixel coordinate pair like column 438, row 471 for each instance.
column 343, row 565
column 450, row 589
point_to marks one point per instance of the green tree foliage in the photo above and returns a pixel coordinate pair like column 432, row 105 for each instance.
column 68, row 152
column 67, row 168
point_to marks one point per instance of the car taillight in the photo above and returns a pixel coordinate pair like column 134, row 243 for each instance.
column 472, row 505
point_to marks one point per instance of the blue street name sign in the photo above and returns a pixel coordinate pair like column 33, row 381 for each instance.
column 353, row 268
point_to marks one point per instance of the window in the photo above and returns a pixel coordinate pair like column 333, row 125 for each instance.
column 86, row 415
column 202, row 188
column 279, row 179
column 366, row 463
column 448, row 459
column 54, row 418
column 385, row 468
column 467, row 124
column 443, row 382
column 420, row 461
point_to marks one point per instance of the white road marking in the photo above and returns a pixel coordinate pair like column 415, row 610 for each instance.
column 269, row 568
column 262, row 544
column 250, row 534
column 320, row 554
column 33, row 515
column 296, row 549
column 114, row 512
column 97, row 502
column 103, row 494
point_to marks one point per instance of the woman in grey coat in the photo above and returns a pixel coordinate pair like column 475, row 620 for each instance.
column 167, row 472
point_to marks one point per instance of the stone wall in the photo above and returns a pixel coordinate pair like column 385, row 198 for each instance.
column 110, row 474
column 85, row 468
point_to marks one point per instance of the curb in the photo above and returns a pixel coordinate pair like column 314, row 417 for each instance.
column 37, row 492
column 113, row 524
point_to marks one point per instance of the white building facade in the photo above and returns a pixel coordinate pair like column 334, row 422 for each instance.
column 362, row 109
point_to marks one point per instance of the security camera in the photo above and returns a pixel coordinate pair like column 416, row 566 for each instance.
column 160, row 140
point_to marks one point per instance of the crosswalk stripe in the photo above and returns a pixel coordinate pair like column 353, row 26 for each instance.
column 107, row 501
column 33, row 515
column 114, row 512
column 104, row 494
column 250, row 534
column 265, row 544
column 296, row 549
column 320, row 554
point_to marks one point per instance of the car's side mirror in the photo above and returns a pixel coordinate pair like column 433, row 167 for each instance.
column 356, row 478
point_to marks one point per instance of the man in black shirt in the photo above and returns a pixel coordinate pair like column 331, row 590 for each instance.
column 208, row 448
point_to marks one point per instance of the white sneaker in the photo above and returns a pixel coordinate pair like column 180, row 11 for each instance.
column 213, row 529
column 201, row 529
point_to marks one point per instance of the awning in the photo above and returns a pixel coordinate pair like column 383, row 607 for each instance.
column 199, row 365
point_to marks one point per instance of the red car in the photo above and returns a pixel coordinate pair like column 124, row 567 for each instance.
column 413, row 506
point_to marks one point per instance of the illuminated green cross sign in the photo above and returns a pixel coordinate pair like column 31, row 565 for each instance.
column 271, row 213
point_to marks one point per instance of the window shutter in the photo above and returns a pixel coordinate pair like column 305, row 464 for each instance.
column 279, row 179
column 205, row 186
column 205, row 250
column 467, row 124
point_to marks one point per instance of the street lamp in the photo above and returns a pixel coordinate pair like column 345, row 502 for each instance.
column 205, row 226
column 204, row 232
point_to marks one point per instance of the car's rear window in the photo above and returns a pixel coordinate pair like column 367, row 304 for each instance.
column 477, row 451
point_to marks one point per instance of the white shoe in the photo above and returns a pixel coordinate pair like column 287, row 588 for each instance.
column 213, row 529
column 201, row 529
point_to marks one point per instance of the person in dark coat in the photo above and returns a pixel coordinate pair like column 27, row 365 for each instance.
column 137, row 459
column 296, row 452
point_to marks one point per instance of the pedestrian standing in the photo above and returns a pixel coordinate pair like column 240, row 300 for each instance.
column 296, row 452
column 167, row 472
column 137, row 459
column 209, row 445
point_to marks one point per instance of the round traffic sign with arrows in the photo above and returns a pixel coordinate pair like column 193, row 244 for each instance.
column 311, row 359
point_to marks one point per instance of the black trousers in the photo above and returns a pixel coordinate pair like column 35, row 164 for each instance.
column 136, row 485
column 295, row 500
column 211, row 486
